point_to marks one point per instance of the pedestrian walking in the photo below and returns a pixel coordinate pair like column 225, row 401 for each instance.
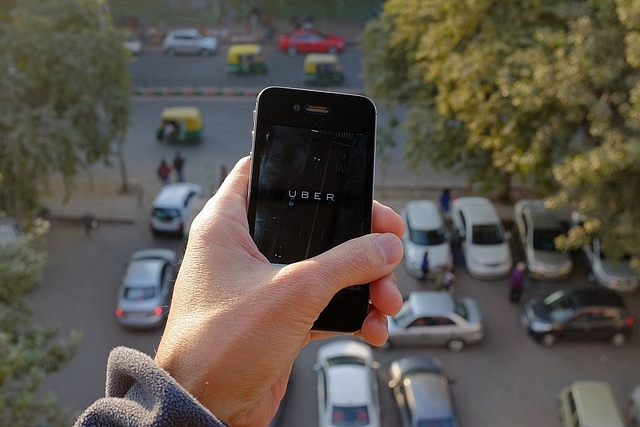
column 89, row 222
column 448, row 281
column 163, row 172
column 445, row 203
column 425, row 267
column 178, row 165
column 516, row 282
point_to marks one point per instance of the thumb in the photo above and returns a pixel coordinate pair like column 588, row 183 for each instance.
column 357, row 261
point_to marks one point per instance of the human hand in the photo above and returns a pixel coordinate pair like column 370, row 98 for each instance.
column 237, row 322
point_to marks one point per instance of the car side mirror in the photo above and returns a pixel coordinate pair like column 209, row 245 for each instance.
column 376, row 365
column 507, row 235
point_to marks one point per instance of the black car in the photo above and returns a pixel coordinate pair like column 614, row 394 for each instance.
column 579, row 314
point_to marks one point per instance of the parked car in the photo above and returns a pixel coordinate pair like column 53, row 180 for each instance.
column 424, row 232
column 484, row 242
column 347, row 385
column 310, row 41
column 188, row 41
column 145, row 292
column 588, row 404
column 617, row 275
column 634, row 407
column 421, row 390
column 537, row 228
column 436, row 318
column 172, row 208
column 579, row 314
column 10, row 230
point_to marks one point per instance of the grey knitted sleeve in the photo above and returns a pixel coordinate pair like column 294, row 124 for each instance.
column 139, row 393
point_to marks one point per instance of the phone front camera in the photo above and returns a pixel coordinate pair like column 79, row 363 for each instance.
column 296, row 107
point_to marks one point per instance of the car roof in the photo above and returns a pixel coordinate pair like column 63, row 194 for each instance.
column 423, row 215
column 430, row 394
column 430, row 302
column 595, row 401
column 478, row 210
column 540, row 216
column 173, row 195
column 185, row 31
column 596, row 297
column 346, row 382
column 144, row 272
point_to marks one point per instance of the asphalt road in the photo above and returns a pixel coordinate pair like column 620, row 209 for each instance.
column 507, row 380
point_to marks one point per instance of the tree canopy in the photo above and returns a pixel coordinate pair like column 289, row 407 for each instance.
column 543, row 91
column 28, row 352
column 65, row 95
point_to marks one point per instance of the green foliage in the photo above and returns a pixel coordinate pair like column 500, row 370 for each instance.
column 28, row 352
column 65, row 95
column 543, row 91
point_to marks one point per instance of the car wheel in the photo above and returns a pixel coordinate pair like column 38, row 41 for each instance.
column 618, row 339
column 332, row 49
column 292, row 51
column 170, row 52
column 549, row 340
column 206, row 52
column 455, row 345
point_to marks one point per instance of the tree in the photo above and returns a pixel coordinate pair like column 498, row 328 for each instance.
column 28, row 353
column 545, row 92
column 65, row 88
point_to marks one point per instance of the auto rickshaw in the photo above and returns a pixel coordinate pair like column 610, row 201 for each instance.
column 322, row 69
column 180, row 124
column 245, row 59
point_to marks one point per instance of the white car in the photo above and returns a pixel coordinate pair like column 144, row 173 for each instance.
column 188, row 41
column 145, row 293
column 347, row 385
column 172, row 208
column 538, row 227
column 9, row 231
column 425, row 232
column 436, row 318
column 617, row 275
column 483, row 240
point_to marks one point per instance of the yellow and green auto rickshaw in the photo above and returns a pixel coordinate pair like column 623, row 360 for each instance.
column 245, row 59
column 322, row 69
column 180, row 124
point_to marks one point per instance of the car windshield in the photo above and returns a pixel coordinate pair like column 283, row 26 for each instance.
column 445, row 422
column 350, row 416
column 166, row 214
column 559, row 305
column 460, row 309
column 427, row 237
column 345, row 360
column 544, row 239
column 137, row 294
column 488, row 234
column 404, row 314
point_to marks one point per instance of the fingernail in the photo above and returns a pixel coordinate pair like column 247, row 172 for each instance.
column 390, row 246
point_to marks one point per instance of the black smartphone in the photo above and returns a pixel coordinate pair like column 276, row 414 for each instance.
column 311, row 186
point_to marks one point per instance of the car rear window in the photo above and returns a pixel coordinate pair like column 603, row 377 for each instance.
column 166, row 214
column 350, row 416
column 488, row 234
column 345, row 360
column 427, row 237
column 137, row 294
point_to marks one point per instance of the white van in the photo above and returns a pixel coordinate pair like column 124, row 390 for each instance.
column 484, row 242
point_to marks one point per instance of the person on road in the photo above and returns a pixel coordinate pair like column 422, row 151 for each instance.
column 178, row 165
column 445, row 203
column 425, row 267
column 516, row 282
column 237, row 322
column 163, row 172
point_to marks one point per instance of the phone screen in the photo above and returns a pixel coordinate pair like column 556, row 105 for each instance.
column 310, row 192
column 312, row 185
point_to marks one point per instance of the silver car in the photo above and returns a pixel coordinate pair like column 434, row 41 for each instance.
column 421, row 390
column 145, row 293
column 188, row 41
column 538, row 227
column 436, row 318
column 617, row 275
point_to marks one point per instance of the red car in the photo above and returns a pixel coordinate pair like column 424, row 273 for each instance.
column 306, row 41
